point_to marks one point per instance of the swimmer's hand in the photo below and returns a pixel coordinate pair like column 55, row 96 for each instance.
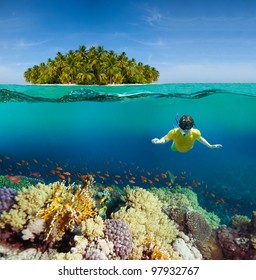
column 216, row 146
column 157, row 141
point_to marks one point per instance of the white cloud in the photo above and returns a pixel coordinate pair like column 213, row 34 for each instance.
column 25, row 44
column 152, row 17
column 11, row 75
column 156, row 43
column 208, row 73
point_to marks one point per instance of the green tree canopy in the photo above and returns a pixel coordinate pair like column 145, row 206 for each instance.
column 93, row 66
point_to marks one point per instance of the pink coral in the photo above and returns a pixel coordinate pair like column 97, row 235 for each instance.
column 119, row 233
column 7, row 198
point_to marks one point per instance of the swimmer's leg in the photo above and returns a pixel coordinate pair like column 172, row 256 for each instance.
column 173, row 147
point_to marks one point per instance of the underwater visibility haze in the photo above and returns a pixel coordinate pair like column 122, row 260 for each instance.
column 92, row 179
column 109, row 129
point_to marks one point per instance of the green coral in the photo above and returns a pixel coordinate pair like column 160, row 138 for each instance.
column 240, row 221
column 24, row 183
column 186, row 198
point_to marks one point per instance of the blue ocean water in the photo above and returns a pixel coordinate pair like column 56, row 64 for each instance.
column 107, row 131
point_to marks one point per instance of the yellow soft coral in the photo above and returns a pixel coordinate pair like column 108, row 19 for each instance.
column 28, row 202
column 66, row 208
column 145, row 218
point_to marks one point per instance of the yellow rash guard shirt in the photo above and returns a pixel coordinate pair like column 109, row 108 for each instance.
column 183, row 143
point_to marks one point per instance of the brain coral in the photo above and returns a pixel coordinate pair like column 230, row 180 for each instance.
column 143, row 214
column 198, row 226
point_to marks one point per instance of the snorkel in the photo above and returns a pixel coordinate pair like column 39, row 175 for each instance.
column 177, row 121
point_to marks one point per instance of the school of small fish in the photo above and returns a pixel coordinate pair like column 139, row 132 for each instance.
column 49, row 171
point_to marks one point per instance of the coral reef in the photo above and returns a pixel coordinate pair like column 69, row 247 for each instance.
column 19, row 183
column 28, row 202
column 197, row 226
column 66, row 208
column 119, row 233
column 153, row 251
column 234, row 246
column 185, row 248
column 143, row 214
column 240, row 222
column 7, row 198
column 93, row 227
column 185, row 200
column 84, row 221
column 238, row 241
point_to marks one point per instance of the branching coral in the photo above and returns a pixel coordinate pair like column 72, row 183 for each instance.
column 67, row 208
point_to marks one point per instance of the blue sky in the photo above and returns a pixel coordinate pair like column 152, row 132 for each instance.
column 186, row 40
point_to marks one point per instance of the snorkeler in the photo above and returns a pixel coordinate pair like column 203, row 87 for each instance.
column 184, row 136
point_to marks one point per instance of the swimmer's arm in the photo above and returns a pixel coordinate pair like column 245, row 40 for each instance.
column 162, row 140
column 207, row 144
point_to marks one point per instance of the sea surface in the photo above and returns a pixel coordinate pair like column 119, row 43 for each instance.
column 107, row 130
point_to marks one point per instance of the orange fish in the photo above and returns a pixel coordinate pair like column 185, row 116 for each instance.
column 132, row 181
column 14, row 179
column 61, row 176
column 35, row 174
column 163, row 175
column 24, row 162
column 143, row 179
column 35, row 161
column 116, row 182
column 66, row 173
column 59, row 168
column 110, row 188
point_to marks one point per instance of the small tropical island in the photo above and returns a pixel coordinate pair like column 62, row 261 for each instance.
column 93, row 66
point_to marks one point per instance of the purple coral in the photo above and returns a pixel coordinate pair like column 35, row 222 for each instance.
column 119, row 233
column 7, row 198
column 234, row 245
column 94, row 255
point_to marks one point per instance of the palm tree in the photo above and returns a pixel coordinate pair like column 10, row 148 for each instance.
column 93, row 66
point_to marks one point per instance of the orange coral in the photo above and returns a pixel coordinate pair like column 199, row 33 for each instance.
column 158, row 254
column 152, row 250
column 67, row 208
